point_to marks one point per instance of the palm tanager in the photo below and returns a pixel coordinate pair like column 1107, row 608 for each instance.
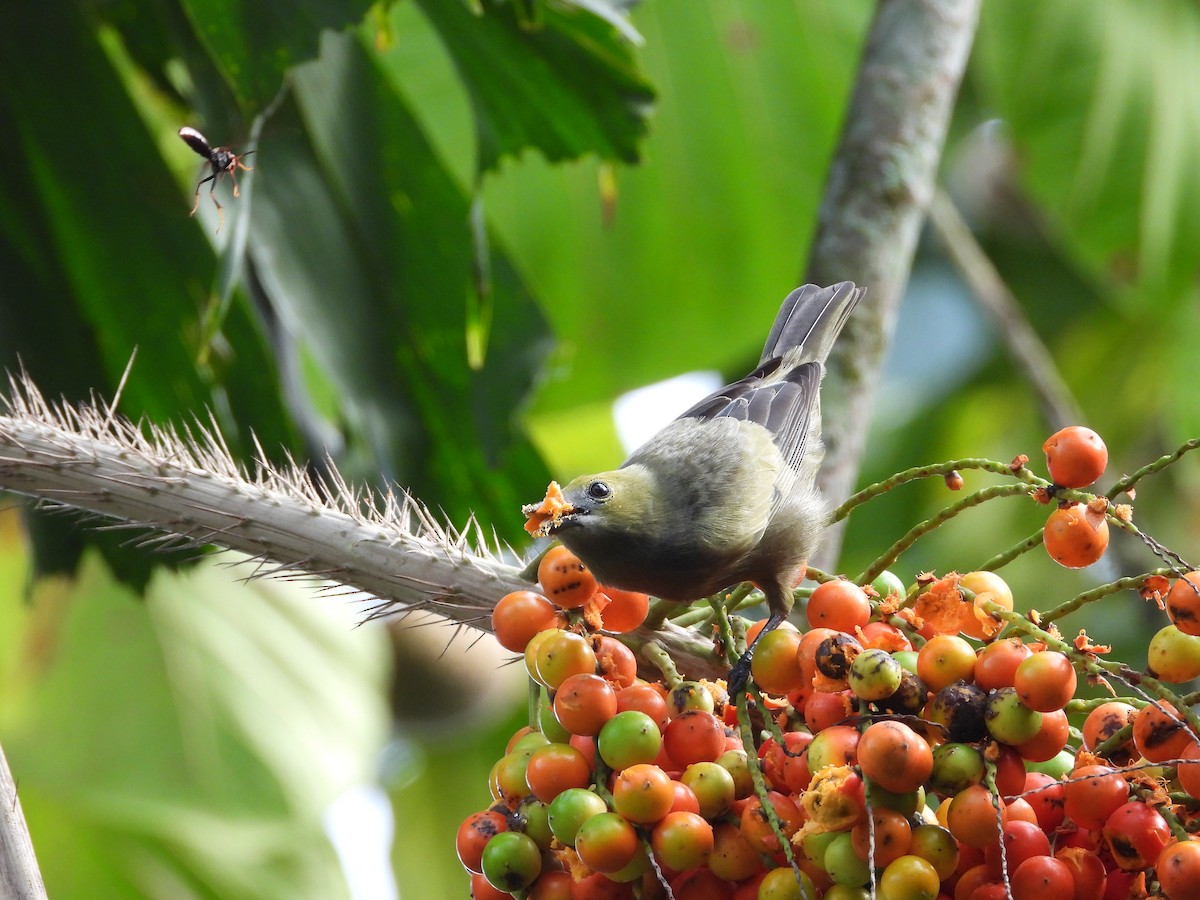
column 725, row 493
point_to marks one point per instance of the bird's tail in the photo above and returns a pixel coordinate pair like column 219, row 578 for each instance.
column 811, row 318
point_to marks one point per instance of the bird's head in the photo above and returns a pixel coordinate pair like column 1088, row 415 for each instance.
column 596, row 508
column 610, row 520
column 619, row 500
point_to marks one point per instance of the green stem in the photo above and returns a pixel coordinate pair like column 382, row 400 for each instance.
column 1133, row 582
column 989, row 781
column 760, row 786
column 656, row 654
column 1172, row 820
column 892, row 554
column 531, row 703
column 741, row 596
column 1114, row 741
column 929, row 471
column 658, row 872
column 1158, row 465
column 738, row 625
column 1086, row 706
column 724, row 630
column 600, row 775
column 660, row 611
column 753, row 598
column 1004, row 558
column 695, row 616
column 820, row 576
column 687, row 615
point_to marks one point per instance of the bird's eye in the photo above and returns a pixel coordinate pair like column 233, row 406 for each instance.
column 598, row 490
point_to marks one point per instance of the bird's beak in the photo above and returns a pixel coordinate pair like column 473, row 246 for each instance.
column 568, row 519
column 551, row 514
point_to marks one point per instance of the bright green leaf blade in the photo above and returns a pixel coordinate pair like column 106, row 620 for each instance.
column 684, row 267
column 363, row 243
column 569, row 85
column 101, row 260
column 1098, row 99
column 192, row 740
column 255, row 42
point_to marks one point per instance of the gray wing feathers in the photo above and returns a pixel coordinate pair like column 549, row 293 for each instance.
column 783, row 393
column 790, row 420
column 811, row 317
column 756, row 398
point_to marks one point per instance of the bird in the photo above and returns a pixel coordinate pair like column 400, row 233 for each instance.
column 726, row 492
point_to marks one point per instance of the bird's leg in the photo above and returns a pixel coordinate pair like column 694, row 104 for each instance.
column 740, row 673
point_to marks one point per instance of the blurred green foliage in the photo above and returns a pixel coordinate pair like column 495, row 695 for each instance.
column 442, row 269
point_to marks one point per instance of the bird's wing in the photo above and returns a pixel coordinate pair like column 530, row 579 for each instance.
column 783, row 393
column 782, row 405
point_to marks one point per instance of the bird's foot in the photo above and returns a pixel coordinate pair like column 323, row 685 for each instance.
column 738, row 675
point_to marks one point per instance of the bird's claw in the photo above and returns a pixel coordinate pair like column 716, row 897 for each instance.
column 738, row 675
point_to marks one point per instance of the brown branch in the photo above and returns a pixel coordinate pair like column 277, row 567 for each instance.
column 1058, row 406
column 880, row 185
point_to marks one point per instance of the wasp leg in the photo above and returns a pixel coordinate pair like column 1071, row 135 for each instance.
column 220, row 210
column 200, row 184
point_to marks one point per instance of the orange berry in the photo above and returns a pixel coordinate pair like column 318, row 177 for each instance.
column 1178, row 870
column 1160, row 733
column 626, row 612
column 1046, row 681
column 894, row 756
column 1075, row 536
column 1075, row 456
column 1183, row 603
column 518, row 616
column 565, row 579
column 839, row 604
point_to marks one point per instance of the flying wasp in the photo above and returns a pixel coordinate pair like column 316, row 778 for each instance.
column 222, row 160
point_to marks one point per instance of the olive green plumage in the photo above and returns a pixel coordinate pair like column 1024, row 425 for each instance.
column 725, row 493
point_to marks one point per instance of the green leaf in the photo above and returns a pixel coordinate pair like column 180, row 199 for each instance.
column 1098, row 99
column 568, row 84
column 682, row 264
column 363, row 244
column 101, row 260
column 88, row 226
column 189, row 744
column 255, row 42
